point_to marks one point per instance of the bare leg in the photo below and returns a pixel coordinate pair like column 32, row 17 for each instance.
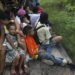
column 14, row 64
column 20, row 65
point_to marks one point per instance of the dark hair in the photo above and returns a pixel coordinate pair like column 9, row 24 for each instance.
column 27, row 16
column 26, row 30
column 37, row 4
column 35, row 9
column 3, row 15
column 15, row 10
column 10, row 24
column 43, row 17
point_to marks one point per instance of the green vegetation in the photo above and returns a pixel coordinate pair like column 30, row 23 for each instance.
column 61, row 14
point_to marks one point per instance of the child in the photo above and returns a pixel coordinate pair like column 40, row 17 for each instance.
column 11, row 53
column 32, row 47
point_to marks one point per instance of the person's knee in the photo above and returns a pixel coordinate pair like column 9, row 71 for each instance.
column 57, row 39
column 17, row 57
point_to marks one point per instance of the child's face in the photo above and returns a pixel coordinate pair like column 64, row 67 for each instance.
column 12, row 30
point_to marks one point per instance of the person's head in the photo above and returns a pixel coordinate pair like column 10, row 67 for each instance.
column 4, row 18
column 11, row 28
column 21, row 12
column 43, row 17
column 35, row 9
column 28, row 30
column 26, row 16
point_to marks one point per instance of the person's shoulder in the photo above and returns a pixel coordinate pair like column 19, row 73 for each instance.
column 35, row 14
column 17, row 17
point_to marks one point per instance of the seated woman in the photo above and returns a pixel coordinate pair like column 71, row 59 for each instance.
column 15, row 50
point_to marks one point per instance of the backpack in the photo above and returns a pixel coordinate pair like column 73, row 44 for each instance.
column 35, row 34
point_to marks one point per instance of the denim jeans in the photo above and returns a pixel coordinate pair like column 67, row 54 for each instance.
column 47, row 56
column 45, row 53
column 47, row 48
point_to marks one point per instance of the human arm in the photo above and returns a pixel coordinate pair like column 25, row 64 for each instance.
column 11, row 42
column 21, row 43
column 2, row 34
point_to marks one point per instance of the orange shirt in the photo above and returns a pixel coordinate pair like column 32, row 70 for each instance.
column 31, row 45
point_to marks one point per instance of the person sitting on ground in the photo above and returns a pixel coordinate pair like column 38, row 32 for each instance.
column 46, row 40
column 19, row 49
column 32, row 47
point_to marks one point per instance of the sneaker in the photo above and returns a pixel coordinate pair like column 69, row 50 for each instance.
column 64, row 62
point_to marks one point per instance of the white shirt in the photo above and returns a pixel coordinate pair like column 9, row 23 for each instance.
column 43, row 33
column 17, row 20
column 34, row 18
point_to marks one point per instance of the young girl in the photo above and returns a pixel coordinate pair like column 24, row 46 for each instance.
column 19, row 47
column 32, row 47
